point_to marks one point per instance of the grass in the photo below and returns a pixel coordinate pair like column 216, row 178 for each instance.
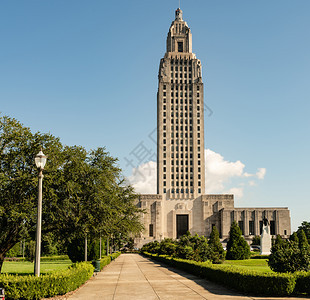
column 259, row 265
column 26, row 267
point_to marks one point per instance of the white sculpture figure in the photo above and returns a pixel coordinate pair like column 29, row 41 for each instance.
column 265, row 240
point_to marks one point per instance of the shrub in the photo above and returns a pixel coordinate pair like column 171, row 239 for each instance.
column 256, row 240
column 237, row 247
column 167, row 247
column 217, row 253
column 56, row 283
column 290, row 256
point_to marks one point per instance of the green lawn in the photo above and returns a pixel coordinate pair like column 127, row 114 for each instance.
column 259, row 265
column 26, row 267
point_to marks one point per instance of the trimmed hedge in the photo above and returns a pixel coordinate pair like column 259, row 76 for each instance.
column 56, row 283
column 303, row 283
column 107, row 259
column 245, row 281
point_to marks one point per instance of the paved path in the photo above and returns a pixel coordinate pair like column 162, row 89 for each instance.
column 132, row 276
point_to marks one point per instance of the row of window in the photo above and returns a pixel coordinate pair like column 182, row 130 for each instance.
column 182, row 191
column 181, row 148
column 177, row 177
column 181, row 87
column 181, row 162
column 176, row 101
column 252, row 227
column 181, row 81
column 190, row 115
column 181, row 61
column 177, row 148
column 176, row 75
column 181, row 128
column 177, row 142
column 177, row 169
column 181, row 113
column 177, row 183
column 181, row 135
column 180, row 68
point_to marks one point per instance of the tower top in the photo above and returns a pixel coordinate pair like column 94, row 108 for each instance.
column 179, row 14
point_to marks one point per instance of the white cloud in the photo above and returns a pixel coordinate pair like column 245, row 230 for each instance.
column 261, row 173
column 222, row 176
column 143, row 178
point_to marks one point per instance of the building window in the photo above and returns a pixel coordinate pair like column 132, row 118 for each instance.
column 164, row 183
column 272, row 228
column 164, row 86
column 164, row 169
column 180, row 46
column 199, row 191
column 251, row 228
column 164, row 191
column 151, row 230
column 240, row 224
column 260, row 227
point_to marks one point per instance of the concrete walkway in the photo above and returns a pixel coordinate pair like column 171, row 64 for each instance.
column 132, row 276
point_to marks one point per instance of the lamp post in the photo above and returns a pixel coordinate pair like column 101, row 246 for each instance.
column 40, row 161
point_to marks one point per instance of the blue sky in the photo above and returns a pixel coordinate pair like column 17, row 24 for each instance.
column 86, row 71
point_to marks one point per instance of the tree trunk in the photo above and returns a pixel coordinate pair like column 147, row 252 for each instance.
column 1, row 261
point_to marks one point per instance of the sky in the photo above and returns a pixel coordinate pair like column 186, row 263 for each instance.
column 86, row 71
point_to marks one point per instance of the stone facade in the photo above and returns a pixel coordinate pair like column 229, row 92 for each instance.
column 180, row 203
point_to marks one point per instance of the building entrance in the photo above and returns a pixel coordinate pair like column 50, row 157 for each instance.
column 182, row 225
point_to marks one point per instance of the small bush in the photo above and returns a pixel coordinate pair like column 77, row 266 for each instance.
column 56, row 283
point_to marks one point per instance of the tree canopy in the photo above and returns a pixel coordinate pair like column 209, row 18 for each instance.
column 83, row 191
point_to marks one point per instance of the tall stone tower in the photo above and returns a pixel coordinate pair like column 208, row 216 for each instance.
column 181, row 204
column 180, row 121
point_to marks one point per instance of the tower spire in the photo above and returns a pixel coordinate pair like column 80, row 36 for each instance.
column 179, row 14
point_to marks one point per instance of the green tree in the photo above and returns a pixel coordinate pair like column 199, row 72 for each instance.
column 217, row 253
column 290, row 256
column 18, row 180
column 237, row 247
column 294, row 237
column 83, row 192
column 305, row 226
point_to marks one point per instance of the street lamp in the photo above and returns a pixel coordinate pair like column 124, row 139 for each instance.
column 40, row 161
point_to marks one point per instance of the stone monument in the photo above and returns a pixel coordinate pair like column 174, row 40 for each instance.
column 265, row 241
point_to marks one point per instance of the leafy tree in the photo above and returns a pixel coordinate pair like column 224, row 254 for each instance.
column 18, row 180
column 83, row 192
column 237, row 247
column 294, row 237
column 217, row 253
column 305, row 226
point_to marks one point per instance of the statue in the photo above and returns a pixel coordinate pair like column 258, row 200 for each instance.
column 265, row 241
